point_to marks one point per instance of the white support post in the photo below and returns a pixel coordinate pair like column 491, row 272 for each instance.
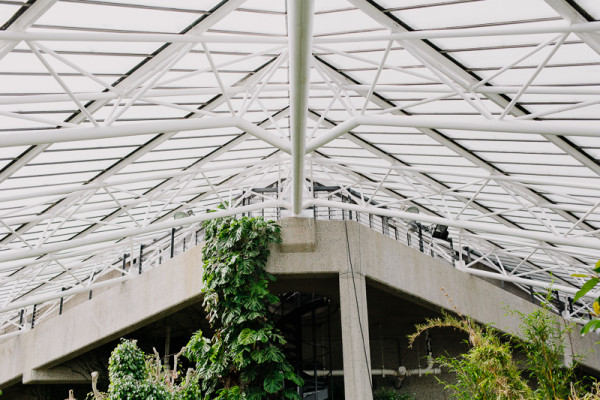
column 300, row 22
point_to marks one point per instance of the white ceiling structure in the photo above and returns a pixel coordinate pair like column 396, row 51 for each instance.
column 115, row 115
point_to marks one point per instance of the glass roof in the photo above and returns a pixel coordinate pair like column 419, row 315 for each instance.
column 115, row 115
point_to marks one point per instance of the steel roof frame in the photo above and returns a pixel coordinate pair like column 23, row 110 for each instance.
column 452, row 80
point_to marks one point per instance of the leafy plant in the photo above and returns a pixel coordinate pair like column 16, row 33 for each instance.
column 136, row 376
column 594, row 393
column 593, row 280
column 244, row 358
column 544, row 345
column 391, row 394
column 487, row 370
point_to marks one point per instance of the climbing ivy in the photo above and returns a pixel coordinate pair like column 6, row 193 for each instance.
column 244, row 358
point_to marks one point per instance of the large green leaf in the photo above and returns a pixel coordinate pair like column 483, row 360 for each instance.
column 247, row 336
column 590, row 326
column 589, row 285
column 273, row 382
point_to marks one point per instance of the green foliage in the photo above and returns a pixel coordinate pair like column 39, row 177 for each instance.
column 135, row 376
column 544, row 345
column 593, row 394
column 593, row 280
column 487, row 370
column 128, row 374
column 244, row 357
column 391, row 394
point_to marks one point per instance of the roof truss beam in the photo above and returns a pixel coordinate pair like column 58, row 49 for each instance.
column 421, row 48
column 573, row 16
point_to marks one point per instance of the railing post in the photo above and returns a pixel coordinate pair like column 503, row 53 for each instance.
column 172, row 242
column 140, row 259
column 60, row 308
column 33, row 316
column 124, row 264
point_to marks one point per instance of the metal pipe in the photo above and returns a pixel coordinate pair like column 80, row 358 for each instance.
column 449, row 172
column 33, row 137
column 497, row 89
column 300, row 24
column 586, row 27
column 10, row 334
column 232, row 90
column 527, row 282
column 149, row 176
column 130, row 232
column 53, row 296
column 400, row 372
column 575, row 128
column 152, row 93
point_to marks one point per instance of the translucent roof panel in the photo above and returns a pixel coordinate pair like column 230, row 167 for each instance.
column 115, row 116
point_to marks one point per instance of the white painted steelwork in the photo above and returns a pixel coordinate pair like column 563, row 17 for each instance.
column 300, row 42
column 485, row 120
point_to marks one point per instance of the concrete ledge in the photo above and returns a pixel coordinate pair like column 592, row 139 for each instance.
column 55, row 375
column 339, row 248
column 109, row 315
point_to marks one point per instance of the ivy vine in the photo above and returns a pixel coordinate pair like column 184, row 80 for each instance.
column 244, row 358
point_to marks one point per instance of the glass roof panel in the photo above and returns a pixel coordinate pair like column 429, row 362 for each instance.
column 460, row 14
column 103, row 17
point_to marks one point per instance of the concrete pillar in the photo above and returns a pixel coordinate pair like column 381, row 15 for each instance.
column 355, row 336
column 298, row 235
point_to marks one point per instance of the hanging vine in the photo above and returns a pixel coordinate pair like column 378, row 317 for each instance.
column 244, row 358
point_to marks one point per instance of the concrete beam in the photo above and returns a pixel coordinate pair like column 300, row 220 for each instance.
column 56, row 375
column 108, row 316
column 177, row 283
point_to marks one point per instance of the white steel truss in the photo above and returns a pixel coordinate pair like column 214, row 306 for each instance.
column 488, row 127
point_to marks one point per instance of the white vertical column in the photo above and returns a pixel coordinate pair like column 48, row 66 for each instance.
column 300, row 24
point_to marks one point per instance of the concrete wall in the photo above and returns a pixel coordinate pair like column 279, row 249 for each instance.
column 338, row 248
column 109, row 315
